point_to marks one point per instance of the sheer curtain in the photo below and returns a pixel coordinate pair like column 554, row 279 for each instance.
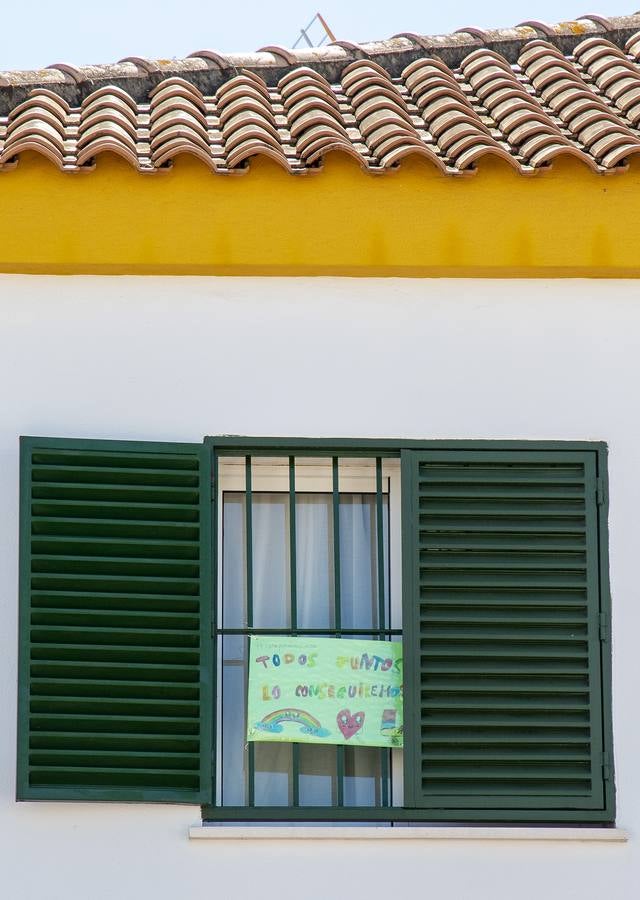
column 273, row 763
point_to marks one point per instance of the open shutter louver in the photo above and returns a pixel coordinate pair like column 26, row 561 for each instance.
column 503, row 674
column 115, row 591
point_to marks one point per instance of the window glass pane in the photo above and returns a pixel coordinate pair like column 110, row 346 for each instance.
column 358, row 560
column 317, row 780
column 270, row 533
column 314, row 560
column 234, row 564
column 233, row 714
column 272, row 774
column 362, row 776
column 271, row 603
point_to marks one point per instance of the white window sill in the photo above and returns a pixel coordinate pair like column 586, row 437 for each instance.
column 413, row 833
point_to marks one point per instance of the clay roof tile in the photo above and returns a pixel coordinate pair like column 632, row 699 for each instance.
column 527, row 95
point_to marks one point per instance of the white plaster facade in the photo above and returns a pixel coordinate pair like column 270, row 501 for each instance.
column 178, row 358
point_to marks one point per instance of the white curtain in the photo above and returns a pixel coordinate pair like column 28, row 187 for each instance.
column 315, row 609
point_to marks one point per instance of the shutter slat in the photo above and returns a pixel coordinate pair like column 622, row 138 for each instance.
column 136, row 759
column 62, row 600
column 558, row 755
column 151, row 671
column 443, row 540
column 114, row 779
column 505, row 615
column 493, row 628
column 145, row 528
column 504, row 668
column 500, row 597
column 556, row 771
column 152, row 512
column 523, row 509
column 461, row 578
column 105, row 547
column 534, row 559
column 482, row 791
column 114, row 621
column 115, row 638
column 501, row 474
column 88, row 653
column 502, row 612
column 115, row 583
column 509, row 525
column 114, row 618
column 488, row 491
column 507, row 686
column 129, row 493
column 516, row 650
column 79, row 741
column 137, row 724
column 114, row 706
column 483, row 739
column 515, row 719
column 114, row 475
column 102, row 687
column 512, row 703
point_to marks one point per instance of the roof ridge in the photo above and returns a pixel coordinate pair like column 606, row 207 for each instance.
column 207, row 69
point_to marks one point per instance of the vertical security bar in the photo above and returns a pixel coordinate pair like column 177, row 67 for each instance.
column 380, row 546
column 293, row 578
column 336, row 549
column 249, row 539
column 337, row 611
column 384, row 753
column 292, row 545
column 249, row 561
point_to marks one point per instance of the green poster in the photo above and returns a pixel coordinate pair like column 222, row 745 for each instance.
column 325, row 691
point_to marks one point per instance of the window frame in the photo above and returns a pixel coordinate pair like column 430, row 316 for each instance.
column 390, row 448
column 355, row 478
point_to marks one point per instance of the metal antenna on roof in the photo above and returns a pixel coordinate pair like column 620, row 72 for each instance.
column 327, row 33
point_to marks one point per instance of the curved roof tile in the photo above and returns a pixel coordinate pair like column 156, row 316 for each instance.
column 527, row 94
column 578, row 103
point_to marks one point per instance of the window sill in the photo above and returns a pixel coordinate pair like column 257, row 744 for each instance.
column 412, row 833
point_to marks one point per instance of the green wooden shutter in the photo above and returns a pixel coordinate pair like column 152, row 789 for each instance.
column 503, row 679
column 115, row 627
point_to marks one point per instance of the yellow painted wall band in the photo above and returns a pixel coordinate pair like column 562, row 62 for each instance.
column 566, row 222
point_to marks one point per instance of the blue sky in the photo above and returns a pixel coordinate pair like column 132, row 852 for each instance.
column 40, row 32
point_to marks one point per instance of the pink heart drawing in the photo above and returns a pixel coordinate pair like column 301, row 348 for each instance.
column 349, row 724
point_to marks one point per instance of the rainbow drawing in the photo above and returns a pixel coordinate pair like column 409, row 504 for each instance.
column 275, row 721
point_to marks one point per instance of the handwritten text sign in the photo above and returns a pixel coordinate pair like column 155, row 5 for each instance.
column 325, row 691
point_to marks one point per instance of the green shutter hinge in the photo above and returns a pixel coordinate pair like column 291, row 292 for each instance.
column 601, row 494
column 604, row 627
column 607, row 772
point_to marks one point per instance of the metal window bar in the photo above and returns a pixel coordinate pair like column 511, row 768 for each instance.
column 383, row 631
column 251, row 750
column 293, row 590
column 340, row 750
column 384, row 755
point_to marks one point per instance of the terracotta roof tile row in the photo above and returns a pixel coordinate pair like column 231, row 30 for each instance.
column 526, row 106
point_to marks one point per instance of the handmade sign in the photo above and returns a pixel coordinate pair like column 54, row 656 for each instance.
column 325, row 691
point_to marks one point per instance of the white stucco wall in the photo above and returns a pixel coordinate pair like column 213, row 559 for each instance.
column 174, row 359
